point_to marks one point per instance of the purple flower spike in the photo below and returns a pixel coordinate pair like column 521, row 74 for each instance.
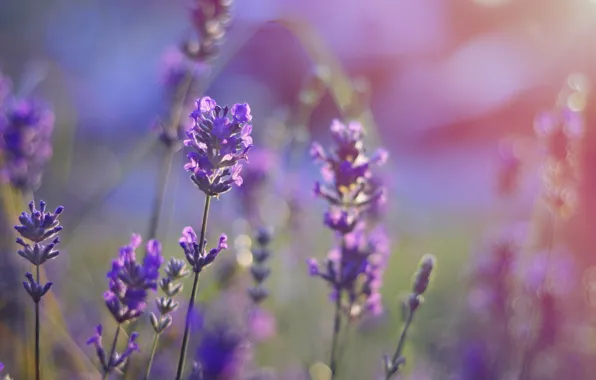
column 219, row 145
column 195, row 253
column 129, row 280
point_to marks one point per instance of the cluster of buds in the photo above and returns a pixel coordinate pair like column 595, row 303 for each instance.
column 259, row 269
column 38, row 227
column 211, row 19
column 561, row 131
column 175, row 270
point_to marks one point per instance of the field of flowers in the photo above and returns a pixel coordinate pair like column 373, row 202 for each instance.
column 288, row 190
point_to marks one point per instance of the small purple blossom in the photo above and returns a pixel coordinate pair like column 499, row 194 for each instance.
column 219, row 145
column 25, row 141
column 195, row 253
column 129, row 280
column 211, row 19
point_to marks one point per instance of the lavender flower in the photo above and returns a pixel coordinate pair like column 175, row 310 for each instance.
column 219, row 143
column 115, row 360
column 129, row 280
column 1, row 367
column 195, row 253
column 175, row 270
column 210, row 18
column 37, row 227
column 25, row 142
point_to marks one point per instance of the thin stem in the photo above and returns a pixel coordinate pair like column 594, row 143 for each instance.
column 400, row 345
column 161, row 185
column 152, row 355
column 112, row 351
column 193, row 294
column 37, row 367
column 336, row 330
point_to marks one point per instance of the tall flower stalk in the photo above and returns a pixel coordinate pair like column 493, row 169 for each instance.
column 219, row 143
column 349, row 192
column 38, row 227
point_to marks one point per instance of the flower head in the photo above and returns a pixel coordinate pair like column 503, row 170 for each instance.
column 219, row 144
column 130, row 280
column 211, row 19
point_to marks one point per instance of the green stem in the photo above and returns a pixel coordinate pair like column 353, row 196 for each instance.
column 400, row 346
column 37, row 367
column 112, row 351
column 336, row 330
column 161, row 185
column 193, row 295
column 152, row 355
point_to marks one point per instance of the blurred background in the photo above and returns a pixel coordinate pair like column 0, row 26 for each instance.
column 456, row 92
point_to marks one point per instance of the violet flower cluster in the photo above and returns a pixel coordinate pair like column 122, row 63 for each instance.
column 353, row 268
column 115, row 360
column 38, row 227
column 129, row 280
column 25, row 129
column 220, row 139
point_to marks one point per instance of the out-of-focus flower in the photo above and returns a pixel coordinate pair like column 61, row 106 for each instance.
column 262, row 325
column 219, row 143
column 25, row 141
column 211, row 19
column 130, row 280
column 222, row 353
column 116, row 360
column 195, row 252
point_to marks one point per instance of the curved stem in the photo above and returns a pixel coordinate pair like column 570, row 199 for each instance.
column 336, row 330
column 193, row 295
column 400, row 346
column 152, row 355
column 112, row 351
column 37, row 367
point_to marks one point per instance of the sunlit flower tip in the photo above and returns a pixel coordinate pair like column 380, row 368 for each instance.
column 313, row 267
column 241, row 112
column 206, row 104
